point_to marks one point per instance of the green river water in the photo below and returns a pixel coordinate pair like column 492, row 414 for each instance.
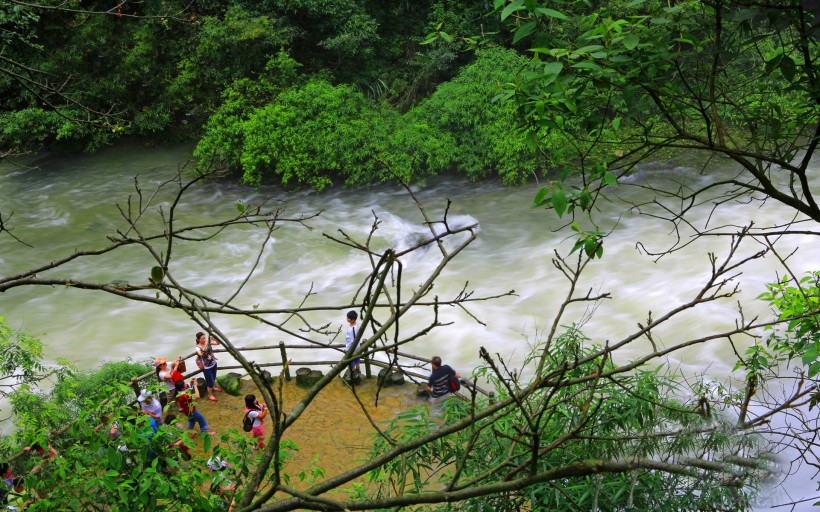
column 61, row 204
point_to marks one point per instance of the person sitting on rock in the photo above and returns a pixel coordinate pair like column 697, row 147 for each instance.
column 439, row 382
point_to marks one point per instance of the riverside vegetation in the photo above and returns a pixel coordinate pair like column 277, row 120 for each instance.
column 582, row 93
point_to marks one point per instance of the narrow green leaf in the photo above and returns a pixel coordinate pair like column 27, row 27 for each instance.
column 589, row 247
column 610, row 179
column 553, row 68
column 788, row 68
column 447, row 37
column 551, row 13
column 559, row 202
column 585, row 199
column 515, row 5
column 523, row 31
column 587, row 65
column 539, row 197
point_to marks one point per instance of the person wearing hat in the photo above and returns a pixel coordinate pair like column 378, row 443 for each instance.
column 150, row 405
column 165, row 374
column 220, row 484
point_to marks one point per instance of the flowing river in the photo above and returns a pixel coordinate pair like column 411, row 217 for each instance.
column 61, row 204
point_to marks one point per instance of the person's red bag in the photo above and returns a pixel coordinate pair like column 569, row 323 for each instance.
column 176, row 376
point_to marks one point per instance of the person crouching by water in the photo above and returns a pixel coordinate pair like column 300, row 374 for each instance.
column 257, row 413
column 207, row 359
column 439, row 384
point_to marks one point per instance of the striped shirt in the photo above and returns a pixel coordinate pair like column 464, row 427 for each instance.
column 440, row 381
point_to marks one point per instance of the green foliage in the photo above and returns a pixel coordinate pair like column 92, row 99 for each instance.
column 484, row 134
column 32, row 129
column 797, row 333
column 21, row 360
column 644, row 414
column 309, row 133
column 319, row 133
column 110, row 457
column 74, row 394
column 625, row 81
column 234, row 47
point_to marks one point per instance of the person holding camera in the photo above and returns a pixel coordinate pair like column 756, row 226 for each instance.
column 257, row 413
column 206, row 360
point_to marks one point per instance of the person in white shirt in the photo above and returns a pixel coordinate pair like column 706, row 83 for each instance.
column 350, row 340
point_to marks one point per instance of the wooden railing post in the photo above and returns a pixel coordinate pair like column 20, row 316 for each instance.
column 285, row 364
column 135, row 385
column 367, row 370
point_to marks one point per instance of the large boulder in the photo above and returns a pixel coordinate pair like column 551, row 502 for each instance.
column 230, row 383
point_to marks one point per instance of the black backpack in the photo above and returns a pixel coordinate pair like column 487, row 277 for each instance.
column 247, row 422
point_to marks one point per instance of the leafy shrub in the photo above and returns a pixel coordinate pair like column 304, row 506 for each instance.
column 484, row 132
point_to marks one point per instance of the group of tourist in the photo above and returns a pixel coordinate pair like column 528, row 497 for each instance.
column 14, row 495
column 184, row 393
column 171, row 375
column 442, row 382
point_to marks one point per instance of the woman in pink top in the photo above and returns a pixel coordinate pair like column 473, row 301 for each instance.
column 257, row 413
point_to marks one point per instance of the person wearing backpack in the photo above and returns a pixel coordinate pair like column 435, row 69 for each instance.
column 443, row 381
column 256, row 413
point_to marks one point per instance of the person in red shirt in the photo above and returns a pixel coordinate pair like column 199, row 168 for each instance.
column 186, row 403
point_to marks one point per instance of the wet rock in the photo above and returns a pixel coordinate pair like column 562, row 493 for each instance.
column 305, row 377
column 267, row 377
column 394, row 378
column 422, row 392
column 230, row 383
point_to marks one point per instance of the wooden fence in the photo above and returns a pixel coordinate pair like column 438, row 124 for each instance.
column 284, row 361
